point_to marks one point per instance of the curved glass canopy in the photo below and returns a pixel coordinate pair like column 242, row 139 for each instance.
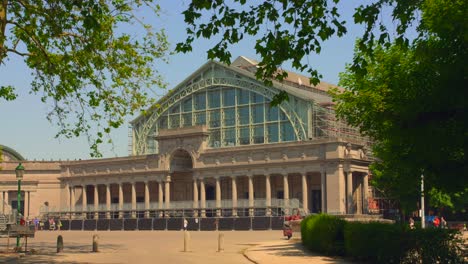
column 234, row 117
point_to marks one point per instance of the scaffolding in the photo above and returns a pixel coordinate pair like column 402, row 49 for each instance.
column 327, row 125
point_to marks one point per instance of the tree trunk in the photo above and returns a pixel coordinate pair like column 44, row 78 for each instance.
column 3, row 20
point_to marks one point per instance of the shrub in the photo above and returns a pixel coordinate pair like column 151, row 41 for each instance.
column 433, row 245
column 375, row 242
column 324, row 234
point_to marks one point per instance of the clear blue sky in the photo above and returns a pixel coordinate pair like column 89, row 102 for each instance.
column 23, row 123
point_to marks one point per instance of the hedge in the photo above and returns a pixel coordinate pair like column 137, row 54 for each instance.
column 376, row 242
column 324, row 234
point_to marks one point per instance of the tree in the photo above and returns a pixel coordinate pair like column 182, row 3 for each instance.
column 406, row 92
column 291, row 30
column 411, row 101
column 85, row 66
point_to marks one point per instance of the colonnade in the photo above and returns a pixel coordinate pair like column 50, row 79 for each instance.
column 199, row 195
column 25, row 196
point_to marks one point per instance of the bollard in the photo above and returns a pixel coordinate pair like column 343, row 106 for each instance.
column 59, row 244
column 220, row 242
column 95, row 243
column 186, row 241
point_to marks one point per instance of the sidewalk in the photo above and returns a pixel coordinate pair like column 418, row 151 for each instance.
column 284, row 251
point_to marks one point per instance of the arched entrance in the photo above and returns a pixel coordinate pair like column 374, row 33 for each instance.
column 181, row 166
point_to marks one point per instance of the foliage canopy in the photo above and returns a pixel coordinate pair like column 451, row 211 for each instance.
column 86, row 67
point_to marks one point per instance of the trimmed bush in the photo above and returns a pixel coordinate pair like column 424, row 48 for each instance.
column 375, row 242
column 433, row 245
column 324, row 234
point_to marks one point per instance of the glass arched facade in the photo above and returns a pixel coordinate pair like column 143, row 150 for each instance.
column 234, row 117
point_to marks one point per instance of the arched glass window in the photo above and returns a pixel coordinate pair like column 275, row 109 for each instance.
column 233, row 116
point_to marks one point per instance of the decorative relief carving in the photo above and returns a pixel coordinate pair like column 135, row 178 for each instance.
column 284, row 156
column 303, row 155
column 233, row 159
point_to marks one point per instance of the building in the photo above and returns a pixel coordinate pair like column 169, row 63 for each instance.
column 213, row 146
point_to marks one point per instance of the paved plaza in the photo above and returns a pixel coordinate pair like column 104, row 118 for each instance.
column 165, row 247
column 140, row 247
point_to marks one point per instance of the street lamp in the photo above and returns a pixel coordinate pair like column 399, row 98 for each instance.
column 19, row 176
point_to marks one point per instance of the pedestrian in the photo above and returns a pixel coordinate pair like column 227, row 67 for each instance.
column 411, row 223
column 443, row 223
column 185, row 224
column 36, row 223
column 436, row 222
column 59, row 224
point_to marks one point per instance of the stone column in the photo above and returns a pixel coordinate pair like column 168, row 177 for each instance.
column 286, row 194
column 72, row 198
column 5, row 201
column 218, row 197
column 349, row 192
column 195, row 197
column 268, row 195
column 121, row 200
column 29, row 202
column 133, row 200
column 147, row 200
column 251, row 195
column 323, row 187
column 234, row 196
column 67, row 198
column 365, row 194
column 202, row 198
column 168, row 192
column 96, row 202
column 108, row 201
column 160, row 198
column 305, row 197
column 84, row 200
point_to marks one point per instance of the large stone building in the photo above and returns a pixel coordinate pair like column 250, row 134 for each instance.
column 213, row 146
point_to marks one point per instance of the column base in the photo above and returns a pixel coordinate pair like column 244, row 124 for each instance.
column 147, row 214
column 203, row 213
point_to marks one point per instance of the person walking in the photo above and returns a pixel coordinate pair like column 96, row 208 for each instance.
column 411, row 223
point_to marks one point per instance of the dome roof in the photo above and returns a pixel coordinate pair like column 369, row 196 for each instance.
column 9, row 154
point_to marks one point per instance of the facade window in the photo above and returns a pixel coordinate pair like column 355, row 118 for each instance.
column 187, row 120
column 257, row 113
column 215, row 120
column 163, row 122
column 215, row 138
column 229, row 137
column 272, row 133
column 287, row 132
column 258, row 135
column 174, row 121
column 200, row 118
column 187, row 105
column 256, row 98
column 213, row 99
column 272, row 113
column 229, row 116
column 244, row 137
column 244, row 115
column 229, row 97
column 200, row 101
column 243, row 96
column 175, row 109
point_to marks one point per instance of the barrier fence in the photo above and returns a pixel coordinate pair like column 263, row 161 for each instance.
column 173, row 223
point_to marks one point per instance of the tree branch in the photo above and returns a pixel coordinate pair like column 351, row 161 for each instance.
column 18, row 52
